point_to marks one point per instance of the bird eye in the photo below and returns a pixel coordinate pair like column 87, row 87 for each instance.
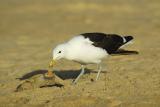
column 59, row 52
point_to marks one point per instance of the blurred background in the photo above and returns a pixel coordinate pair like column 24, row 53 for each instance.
column 30, row 29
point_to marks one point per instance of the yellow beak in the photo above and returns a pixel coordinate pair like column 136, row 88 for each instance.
column 53, row 62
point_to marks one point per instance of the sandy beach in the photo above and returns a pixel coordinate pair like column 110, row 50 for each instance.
column 29, row 30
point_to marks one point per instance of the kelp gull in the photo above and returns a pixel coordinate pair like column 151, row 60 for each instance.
column 89, row 48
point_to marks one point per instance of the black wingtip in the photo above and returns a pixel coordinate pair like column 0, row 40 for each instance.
column 125, row 52
column 128, row 38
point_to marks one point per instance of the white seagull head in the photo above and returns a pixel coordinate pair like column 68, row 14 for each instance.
column 59, row 52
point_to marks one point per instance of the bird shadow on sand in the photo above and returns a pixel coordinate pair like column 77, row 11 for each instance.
column 63, row 74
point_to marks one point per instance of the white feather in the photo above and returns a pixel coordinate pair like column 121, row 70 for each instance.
column 81, row 50
column 130, row 42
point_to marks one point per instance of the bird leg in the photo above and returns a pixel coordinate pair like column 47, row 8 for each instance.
column 81, row 73
column 99, row 71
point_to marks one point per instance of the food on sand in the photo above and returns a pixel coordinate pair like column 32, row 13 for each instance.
column 50, row 74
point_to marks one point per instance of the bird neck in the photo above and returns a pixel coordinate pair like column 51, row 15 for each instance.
column 68, row 52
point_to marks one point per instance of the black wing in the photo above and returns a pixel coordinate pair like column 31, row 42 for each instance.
column 109, row 42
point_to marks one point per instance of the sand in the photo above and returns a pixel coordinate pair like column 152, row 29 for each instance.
column 30, row 29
